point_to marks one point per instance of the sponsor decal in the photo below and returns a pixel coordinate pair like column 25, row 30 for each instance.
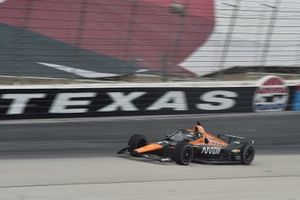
column 271, row 95
column 236, row 151
column 83, row 102
column 238, row 157
column 211, row 150
column 296, row 105
column 86, row 102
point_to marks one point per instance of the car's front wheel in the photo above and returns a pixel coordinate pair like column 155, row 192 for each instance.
column 184, row 153
column 247, row 154
column 136, row 141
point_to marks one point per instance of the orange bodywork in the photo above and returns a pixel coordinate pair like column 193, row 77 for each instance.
column 212, row 140
column 149, row 147
column 207, row 139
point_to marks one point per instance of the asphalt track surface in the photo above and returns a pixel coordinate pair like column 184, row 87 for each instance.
column 75, row 159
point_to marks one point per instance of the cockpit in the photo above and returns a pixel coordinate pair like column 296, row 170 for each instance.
column 181, row 135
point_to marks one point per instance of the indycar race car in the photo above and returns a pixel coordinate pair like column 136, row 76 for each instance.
column 193, row 145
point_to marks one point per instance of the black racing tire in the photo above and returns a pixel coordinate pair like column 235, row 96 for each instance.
column 247, row 154
column 183, row 154
column 136, row 141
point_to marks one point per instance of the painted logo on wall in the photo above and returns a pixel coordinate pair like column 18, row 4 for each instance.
column 296, row 105
column 271, row 95
column 143, row 30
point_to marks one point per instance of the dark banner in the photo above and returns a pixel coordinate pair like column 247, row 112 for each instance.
column 49, row 103
column 88, row 102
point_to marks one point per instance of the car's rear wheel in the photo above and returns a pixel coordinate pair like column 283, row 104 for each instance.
column 136, row 141
column 184, row 153
column 247, row 154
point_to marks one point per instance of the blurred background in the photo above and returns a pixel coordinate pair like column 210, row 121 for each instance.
column 148, row 40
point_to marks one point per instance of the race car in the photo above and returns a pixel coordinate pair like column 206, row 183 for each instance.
column 193, row 145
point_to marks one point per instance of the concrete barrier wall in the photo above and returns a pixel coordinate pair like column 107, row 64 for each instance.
column 151, row 99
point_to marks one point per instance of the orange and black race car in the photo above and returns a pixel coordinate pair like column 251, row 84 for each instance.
column 193, row 145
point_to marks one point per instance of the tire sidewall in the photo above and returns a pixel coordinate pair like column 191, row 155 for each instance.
column 245, row 150
column 136, row 141
column 180, row 151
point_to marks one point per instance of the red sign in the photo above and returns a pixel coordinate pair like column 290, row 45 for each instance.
column 271, row 95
